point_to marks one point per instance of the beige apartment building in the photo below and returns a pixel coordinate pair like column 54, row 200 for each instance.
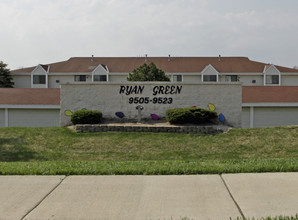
column 269, row 92
column 180, row 69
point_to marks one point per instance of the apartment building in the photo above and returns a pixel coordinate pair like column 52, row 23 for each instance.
column 269, row 92
column 180, row 69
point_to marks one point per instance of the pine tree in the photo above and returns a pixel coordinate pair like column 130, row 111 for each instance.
column 5, row 77
column 148, row 73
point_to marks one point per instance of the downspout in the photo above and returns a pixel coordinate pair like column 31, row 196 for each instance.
column 47, row 77
column 108, row 74
column 32, row 79
column 251, row 118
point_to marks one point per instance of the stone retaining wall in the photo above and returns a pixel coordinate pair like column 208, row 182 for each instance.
column 208, row 129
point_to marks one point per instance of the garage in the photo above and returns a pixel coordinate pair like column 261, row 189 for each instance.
column 29, row 107
column 267, row 106
column 245, row 117
column 33, row 117
column 255, row 117
column 275, row 116
column 2, row 117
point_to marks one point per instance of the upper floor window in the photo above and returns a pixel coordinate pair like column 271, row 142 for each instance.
column 177, row 78
column 209, row 78
column 272, row 79
column 232, row 78
column 39, row 79
column 80, row 78
column 100, row 78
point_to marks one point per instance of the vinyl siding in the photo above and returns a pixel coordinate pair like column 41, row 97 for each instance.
column 22, row 81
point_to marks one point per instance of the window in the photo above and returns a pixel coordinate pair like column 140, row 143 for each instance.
column 80, row 78
column 39, row 79
column 209, row 78
column 101, row 78
column 177, row 78
column 272, row 79
column 232, row 78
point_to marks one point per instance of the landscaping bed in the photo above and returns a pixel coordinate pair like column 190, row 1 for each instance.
column 156, row 128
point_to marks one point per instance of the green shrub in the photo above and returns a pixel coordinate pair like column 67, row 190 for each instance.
column 86, row 117
column 190, row 115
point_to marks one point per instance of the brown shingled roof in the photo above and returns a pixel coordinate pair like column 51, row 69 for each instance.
column 16, row 96
column 45, row 67
column 263, row 94
column 172, row 65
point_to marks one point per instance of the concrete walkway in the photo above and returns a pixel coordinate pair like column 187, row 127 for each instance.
column 148, row 197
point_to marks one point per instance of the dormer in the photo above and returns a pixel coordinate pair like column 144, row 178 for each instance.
column 272, row 75
column 209, row 74
column 100, row 74
column 39, row 76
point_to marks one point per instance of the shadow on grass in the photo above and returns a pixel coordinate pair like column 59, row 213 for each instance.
column 14, row 149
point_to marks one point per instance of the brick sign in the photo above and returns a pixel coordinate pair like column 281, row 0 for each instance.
column 119, row 101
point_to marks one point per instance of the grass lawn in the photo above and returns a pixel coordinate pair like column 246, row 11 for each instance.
column 61, row 151
column 272, row 218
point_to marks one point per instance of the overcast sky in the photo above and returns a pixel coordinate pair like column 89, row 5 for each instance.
column 40, row 31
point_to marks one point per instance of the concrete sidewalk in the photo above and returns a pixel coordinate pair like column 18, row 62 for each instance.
column 148, row 197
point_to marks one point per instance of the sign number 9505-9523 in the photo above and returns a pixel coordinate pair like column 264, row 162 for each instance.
column 147, row 100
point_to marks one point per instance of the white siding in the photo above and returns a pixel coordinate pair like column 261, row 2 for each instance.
column 192, row 79
column 34, row 117
column 245, row 117
column 209, row 70
column 39, row 86
column 22, row 81
column 2, row 118
column 118, row 79
column 99, row 70
column 247, row 80
column 39, row 71
column 275, row 116
column 272, row 71
column 289, row 80
column 61, row 79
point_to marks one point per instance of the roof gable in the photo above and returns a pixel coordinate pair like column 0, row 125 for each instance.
column 271, row 70
column 99, row 70
column 209, row 70
column 40, row 70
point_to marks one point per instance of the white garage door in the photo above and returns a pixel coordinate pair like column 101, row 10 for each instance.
column 245, row 114
column 275, row 116
column 2, row 117
column 33, row 117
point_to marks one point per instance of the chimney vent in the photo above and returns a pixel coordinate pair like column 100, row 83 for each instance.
column 169, row 59
column 92, row 58
column 219, row 57
column 146, row 59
